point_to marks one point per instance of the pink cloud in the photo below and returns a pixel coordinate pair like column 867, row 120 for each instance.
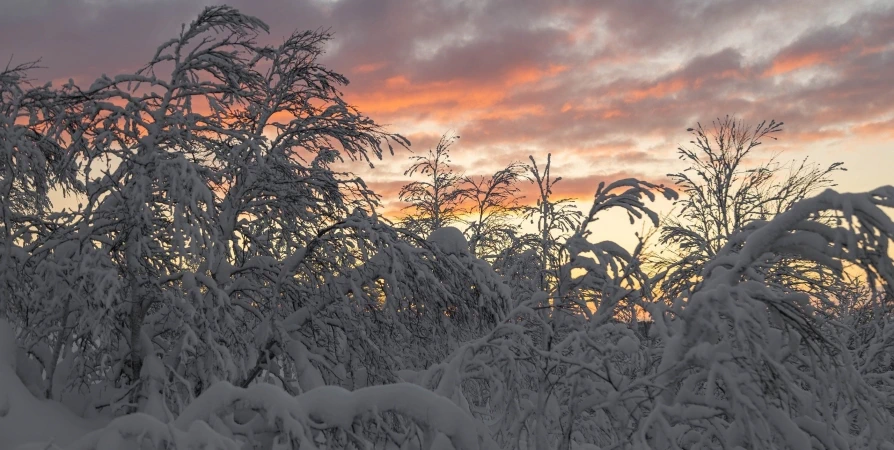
column 531, row 76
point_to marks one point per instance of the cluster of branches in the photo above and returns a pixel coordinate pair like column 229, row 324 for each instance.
column 215, row 243
column 750, row 264
column 483, row 205
column 727, row 187
column 770, row 332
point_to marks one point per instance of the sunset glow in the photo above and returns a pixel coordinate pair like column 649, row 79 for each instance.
column 608, row 88
column 451, row 224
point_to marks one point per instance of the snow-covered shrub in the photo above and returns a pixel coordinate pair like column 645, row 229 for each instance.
column 221, row 285
column 398, row 416
column 561, row 371
column 724, row 190
column 753, row 364
column 214, row 244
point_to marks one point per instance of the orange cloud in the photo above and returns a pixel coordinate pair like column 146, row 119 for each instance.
column 724, row 75
column 525, row 75
column 882, row 129
column 785, row 63
column 659, row 90
column 400, row 94
column 387, row 189
column 872, row 50
column 513, row 112
column 815, row 136
column 613, row 113
column 368, row 68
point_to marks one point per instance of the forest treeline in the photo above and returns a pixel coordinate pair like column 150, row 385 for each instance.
column 221, row 284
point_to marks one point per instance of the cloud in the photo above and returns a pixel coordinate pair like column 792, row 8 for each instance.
column 602, row 85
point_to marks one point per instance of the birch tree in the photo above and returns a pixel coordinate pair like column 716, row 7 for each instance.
column 435, row 201
column 726, row 186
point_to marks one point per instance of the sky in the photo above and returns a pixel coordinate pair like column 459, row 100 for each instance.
column 608, row 87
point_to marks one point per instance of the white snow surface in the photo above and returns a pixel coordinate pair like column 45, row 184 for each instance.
column 450, row 240
column 25, row 421
column 7, row 345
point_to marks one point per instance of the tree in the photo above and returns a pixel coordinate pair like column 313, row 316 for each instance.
column 724, row 191
column 751, row 363
column 560, row 371
column 494, row 202
column 486, row 204
column 34, row 135
column 437, row 201
column 217, row 261
column 220, row 285
column 554, row 217
column 201, row 201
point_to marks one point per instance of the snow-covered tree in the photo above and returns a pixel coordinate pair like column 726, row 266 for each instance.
column 217, row 144
column 554, row 219
column 754, row 365
column 494, row 205
column 559, row 371
column 726, row 187
column 214, row 245
column 34, row 135
column 221, row 285
column 437, row 200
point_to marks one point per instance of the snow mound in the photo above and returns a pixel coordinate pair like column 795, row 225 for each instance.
column 628, row 345
column 7, row 345
column 24, row 418
column 450, row 240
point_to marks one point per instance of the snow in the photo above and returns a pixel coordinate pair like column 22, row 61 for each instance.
column 336, row 406
column 223, row 287
column 8, row 348
column 628, row 345
column 28, row 420
column 450, row 240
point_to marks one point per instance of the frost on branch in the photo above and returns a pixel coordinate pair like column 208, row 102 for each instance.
column 756, row 364
column 724, row 192
column 561, row 371
column 221, row 285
